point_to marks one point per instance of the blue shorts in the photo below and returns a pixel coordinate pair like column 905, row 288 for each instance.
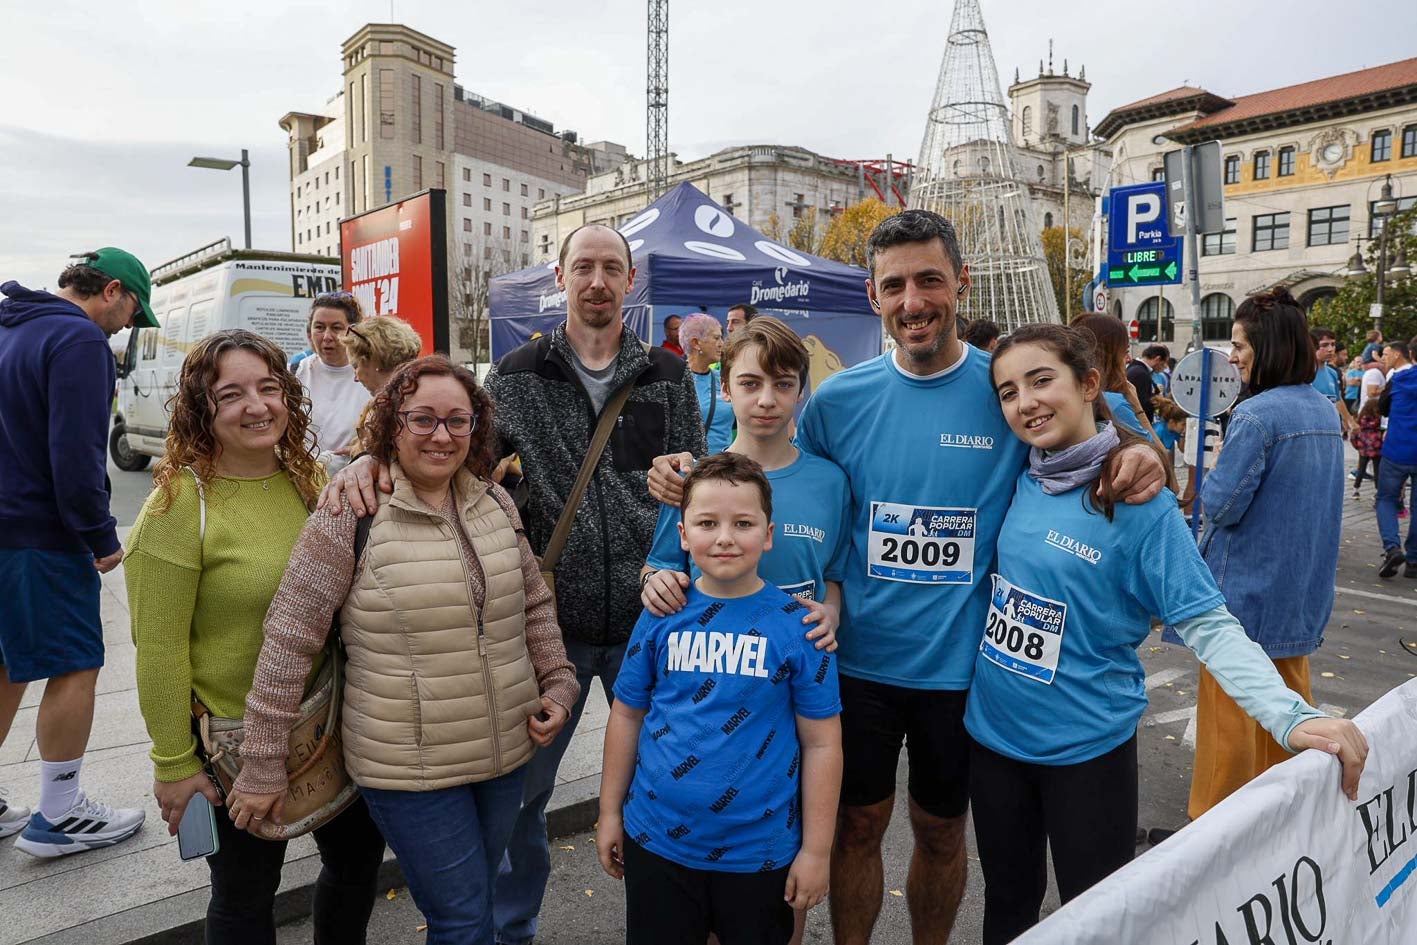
column 50, row 624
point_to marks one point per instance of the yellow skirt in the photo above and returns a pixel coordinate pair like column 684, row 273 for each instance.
column 1231, row 748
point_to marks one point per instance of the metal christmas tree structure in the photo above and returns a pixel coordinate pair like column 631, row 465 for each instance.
column 968, row 173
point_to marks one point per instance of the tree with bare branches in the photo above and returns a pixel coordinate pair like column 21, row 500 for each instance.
column 477, row 262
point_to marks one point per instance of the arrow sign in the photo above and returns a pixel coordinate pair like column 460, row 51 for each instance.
column 1142, row 275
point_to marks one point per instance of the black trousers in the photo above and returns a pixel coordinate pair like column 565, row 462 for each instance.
column 1363, row 461
column 1085, row 813
column 246, row 874
column 669, row 904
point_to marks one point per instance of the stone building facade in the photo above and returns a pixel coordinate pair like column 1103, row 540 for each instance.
column 402, row 124
column 1302, row 168
column 770, row 187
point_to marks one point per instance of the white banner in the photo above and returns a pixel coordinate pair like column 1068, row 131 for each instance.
column 1286, row 860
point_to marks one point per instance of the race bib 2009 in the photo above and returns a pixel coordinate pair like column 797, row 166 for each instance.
column 921, row 545
column 1023, row 632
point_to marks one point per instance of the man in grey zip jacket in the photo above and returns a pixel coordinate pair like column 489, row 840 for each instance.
column 550, row 393
column 546, row 414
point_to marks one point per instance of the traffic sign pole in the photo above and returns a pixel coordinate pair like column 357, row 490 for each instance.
column 1197, row 336
column 1202, row 429
column 1192, row 251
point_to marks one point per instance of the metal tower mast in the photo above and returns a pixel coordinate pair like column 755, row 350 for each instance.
column 657, row 100
column 969, row 172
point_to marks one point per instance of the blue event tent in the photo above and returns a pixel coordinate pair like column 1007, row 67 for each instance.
column 691, row 255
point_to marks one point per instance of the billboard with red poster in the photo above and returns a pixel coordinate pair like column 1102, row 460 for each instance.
column 395, row 261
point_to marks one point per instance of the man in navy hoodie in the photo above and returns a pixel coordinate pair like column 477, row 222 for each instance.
column 56, row 535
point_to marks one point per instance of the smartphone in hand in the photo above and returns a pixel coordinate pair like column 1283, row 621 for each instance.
column 196, row 834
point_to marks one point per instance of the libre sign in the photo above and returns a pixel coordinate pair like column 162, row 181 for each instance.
column 1140, row 249
column 396, row 263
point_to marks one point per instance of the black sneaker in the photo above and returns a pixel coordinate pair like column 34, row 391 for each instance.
column 1391, row 560
column 1411, row 570
column 1161, row 834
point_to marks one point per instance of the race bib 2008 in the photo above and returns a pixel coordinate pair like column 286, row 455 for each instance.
column 1023, row 632
column 921, row 545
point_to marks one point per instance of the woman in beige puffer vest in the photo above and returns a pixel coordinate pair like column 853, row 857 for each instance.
column 456, row 671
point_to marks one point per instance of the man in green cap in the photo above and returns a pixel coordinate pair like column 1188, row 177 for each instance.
column 56, row 533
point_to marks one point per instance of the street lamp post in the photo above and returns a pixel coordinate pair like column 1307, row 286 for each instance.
column 1068, row 228
column 226, row 164
column 1383, row 208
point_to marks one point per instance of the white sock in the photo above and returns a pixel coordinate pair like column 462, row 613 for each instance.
column 58, row 787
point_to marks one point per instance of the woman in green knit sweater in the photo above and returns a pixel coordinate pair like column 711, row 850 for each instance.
column 198, row 593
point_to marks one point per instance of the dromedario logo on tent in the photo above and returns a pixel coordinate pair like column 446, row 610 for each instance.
column 784, row 291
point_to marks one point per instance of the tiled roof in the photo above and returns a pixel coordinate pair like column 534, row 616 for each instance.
column 1181, row 91
column 1176, row 102
column 1317, row 94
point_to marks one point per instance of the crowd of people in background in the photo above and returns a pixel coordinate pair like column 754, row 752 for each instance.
column 937, row 548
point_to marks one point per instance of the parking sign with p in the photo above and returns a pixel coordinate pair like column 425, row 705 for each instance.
column 1140, row 248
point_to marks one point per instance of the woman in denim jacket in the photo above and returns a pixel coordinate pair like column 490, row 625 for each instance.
column 1273, row 507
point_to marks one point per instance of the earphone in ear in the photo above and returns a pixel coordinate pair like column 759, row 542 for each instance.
column 876, row 305
column 962, row 289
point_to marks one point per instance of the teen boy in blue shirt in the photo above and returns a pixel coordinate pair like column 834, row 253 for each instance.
column 722, row 761
column 765, row 369
column 1327, row 380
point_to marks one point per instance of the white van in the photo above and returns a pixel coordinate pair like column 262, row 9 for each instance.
column 209, row 290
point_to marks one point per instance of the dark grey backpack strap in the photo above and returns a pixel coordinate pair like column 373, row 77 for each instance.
column 361, row 540
column 361, row 536
column 713, row 401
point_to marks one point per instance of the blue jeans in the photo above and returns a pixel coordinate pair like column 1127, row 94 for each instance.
column 521, row 882
column 449, row 843
column 1391, row 478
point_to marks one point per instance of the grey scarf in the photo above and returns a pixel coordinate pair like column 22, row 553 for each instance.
column 1062, row 470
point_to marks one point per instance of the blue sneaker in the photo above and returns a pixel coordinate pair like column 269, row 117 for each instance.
column 87, row 825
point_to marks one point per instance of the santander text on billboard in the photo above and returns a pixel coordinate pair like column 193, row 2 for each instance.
column 395, row 264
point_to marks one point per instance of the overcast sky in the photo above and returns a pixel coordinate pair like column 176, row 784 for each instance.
column 101, row 105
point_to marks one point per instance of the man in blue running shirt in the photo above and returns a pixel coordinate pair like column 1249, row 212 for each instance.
column 920, row 435
column 1327, row 379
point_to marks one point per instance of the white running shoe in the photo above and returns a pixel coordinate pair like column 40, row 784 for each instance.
column 87, row 825
column 13, row 818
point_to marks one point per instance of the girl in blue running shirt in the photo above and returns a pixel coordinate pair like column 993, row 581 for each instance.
column 1058, row 688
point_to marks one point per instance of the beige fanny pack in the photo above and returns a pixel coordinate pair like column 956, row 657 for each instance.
column 319, row 787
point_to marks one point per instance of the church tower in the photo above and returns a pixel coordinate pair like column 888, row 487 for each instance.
column 1050, row 109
